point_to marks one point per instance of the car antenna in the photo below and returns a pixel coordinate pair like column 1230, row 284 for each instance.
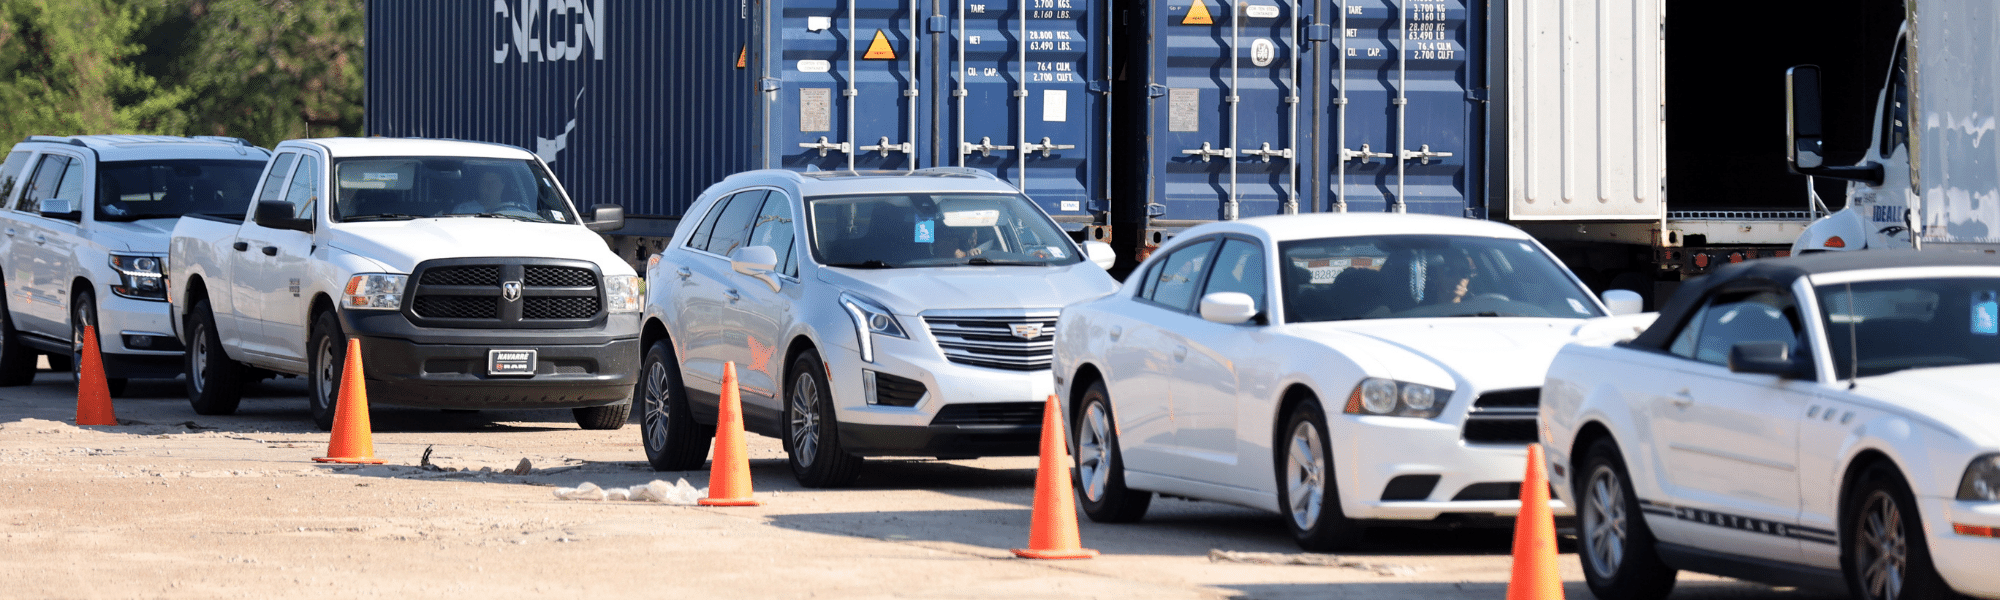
column 1853, row 348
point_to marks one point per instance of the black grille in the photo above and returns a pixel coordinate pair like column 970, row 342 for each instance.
column 995, row 413
column 1410, row 487
column 1493, row 490
column 572, row 307
column 458, row 307
column 1504, row 417
column 557, row 277
column 1521, row 398
column 477, row 275
column 891, row 390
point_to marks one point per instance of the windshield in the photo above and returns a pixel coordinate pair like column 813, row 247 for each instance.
column 1410, row 276
column 401, row 188
column 159, row 189
column 934, row 230
column 1910, row 323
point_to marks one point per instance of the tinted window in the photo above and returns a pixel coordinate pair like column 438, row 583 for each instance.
column 10, row 175
column 1179, row 275
column 1412, row 276
column 1239, row 268
column 934, row 230
column 1911, row 323
column 153, row 189
column 774, row 229
column 1732, row 319
column 281, row 167
column 699, row 239
column 392, row 188
column 303, row 193
column 48, row 177
column 733, row 229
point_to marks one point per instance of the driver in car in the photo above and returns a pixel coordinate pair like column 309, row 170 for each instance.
column 492, row 195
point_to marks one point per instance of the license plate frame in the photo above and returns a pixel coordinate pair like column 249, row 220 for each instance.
column 511, row 361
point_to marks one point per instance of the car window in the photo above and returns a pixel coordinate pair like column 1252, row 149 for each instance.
column 1731, row 319
column 10, row 175
column 129, row 190
column 699, row 239
column 303, row 194
column 934, row 230
column 1238, row 268
column 1422, row 275
column 1877, row 327
column 733, row 229
column 1179, row 275
column 48, row 178
column 281, row 167
column 400, row 188
column 774, row 229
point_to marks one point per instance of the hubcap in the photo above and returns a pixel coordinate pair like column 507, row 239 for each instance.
column 805, row 419
column 1093, row 452
column 1880, row 547
column 1604, row 521
column 199, row 354
column 77, row 323
column 328, row 372
column 1305, row 475
column 656, row 407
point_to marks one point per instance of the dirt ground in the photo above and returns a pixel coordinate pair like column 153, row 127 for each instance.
column 174, row 505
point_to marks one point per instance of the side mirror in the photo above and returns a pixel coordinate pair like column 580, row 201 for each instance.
column 606, row 217
column 277, row 214
column 1805, row 135
column 56, row 208
column 1767, row 358
column 759, row 262
column 1624, row 302
column 1100, row 253
column 1228, row 308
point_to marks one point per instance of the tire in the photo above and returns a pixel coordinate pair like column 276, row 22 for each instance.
column 1307, row 496
column 1100, row 464
column 603, row 418
column 17, row 362
column 1614, row 543
column 326, row 356
column 673, row 441
column 214, row 382
column 83, row 311
column 812, row 439
column 1886, row 556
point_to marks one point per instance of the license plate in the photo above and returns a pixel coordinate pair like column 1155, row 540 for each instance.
column 510, row 362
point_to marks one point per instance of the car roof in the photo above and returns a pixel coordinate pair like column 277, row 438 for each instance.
column 1781, row 273
column 814, row 183
column 342, row 147
column 112, row 148
column 1282, row 228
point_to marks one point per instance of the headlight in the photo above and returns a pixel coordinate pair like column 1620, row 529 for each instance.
column 1378, row 396
column 623, row 293
column 374, row 291
column 1982, row 480
column 141, row 277
column 870, row 318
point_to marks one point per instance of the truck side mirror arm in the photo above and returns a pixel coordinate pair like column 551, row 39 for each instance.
column 1804, row 135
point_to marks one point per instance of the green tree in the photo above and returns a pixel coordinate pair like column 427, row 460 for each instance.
column 268, row 70
column 66, row 68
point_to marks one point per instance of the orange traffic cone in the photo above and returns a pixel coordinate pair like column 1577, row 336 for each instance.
column 729, row 472
column 1535, row 576
column 353, row 443
column 93, row 395
column 1052, row 530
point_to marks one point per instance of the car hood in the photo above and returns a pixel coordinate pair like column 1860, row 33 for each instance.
column 913, row 291
column 1962, row 398
column 1485, row 352
column 400, row 245
column 149, row 235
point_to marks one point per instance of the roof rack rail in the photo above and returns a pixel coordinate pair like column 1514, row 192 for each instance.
column 222, row 138
column 959, row 171
column 56, row 139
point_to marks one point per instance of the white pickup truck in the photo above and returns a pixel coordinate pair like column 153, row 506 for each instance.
column 462, row 267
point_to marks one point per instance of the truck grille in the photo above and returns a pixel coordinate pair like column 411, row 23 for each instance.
column 1016, row 343
column 474, row 293
column 1504, row 417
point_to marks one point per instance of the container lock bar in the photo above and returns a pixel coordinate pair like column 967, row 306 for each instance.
column 985, row 147
column 1363, row 154
column 883, row 146
column 1266, row 152
column 823, row 146
column 1424, row 153
column 1045, row 147
column 1206, row 152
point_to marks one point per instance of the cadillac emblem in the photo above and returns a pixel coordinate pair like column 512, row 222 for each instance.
column 1027, row 331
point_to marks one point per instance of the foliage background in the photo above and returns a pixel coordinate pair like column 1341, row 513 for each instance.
column 263, row 70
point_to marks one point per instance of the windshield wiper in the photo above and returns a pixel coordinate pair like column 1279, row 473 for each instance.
column 981, row 260
column 380, row 217
column 866, row 264
column 497, row 216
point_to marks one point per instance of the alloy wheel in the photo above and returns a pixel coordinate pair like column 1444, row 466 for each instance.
column 805, row 419
column 1305, row 475
column 1881, row 548
column 657, row 413
column 1093, row 452
column 1604, row 520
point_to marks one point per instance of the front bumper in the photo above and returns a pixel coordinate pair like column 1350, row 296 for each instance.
column 120, row 320
column 1006, row 421
column 1965, row 562
column 447, row 368
column 1472, row 481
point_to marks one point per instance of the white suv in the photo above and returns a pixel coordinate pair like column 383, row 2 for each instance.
column 894, row 313
column 85, row 222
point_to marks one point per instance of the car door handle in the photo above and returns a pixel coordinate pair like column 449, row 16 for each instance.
column 10, row 232
column 732, row 294
column 41, row 239
column 1117, row 331
column 1682, row 398
column 270, row 251
column 240, row 246
column 1180, row 353
column 684, row 272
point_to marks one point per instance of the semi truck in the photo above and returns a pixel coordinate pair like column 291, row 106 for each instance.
column 1639, row 139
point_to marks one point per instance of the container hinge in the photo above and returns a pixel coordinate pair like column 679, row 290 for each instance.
column 768, row 84
column 1156, row 209
column 1097, row 86
column 1477, row 94
column 1266, row 152
column 823, row 146
column 1363, row 154
column 1319, row 32
column 1154, row 90
column 885, row 147
column 1206, row 152
column 1045, row 147
column 910, row 93
column 985, row 147
column 938, row 23
column 1020, row 93
column 1424, row 152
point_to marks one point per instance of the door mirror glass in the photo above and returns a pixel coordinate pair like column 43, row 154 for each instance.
column 1802, row 118
column 1100, row 253
column 1228, row 308
column 758, row 262
column 606, row 217
column 275, row 214
column 1624, row 302
column 1767, row 358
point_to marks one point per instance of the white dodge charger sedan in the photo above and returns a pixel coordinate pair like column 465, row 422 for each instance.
column 1334, row 368
column 1810, row 421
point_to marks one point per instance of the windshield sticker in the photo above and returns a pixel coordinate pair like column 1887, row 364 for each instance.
column 926, row 231
column 1057, row 252
column 1985, row 313
column 971, row 218
column 378, row 177
column 1577, row 306
column 559, row 217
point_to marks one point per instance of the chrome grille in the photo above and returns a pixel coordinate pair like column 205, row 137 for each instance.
column 1504, row 417
column 992, row 342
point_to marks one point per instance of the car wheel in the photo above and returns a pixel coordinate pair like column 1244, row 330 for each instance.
column 812, row 437
column 1887, row 557
column 214, row 382
column 325, row 362
column 674, row 442
column 17, row 362
column 603, row 418
column 1306, row 492
column 1613, row 542
column 83, row 312
column 1100, row 466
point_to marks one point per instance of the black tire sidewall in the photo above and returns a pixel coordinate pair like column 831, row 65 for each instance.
column 1920, row 577
column 681, row 432
column 831, row 466
column 1333, row 530
column 214, row 388
column 1640, row 574
column 1120, row 504
column 326, row 337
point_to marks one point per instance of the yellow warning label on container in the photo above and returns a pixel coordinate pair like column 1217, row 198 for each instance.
column 1198, row 15
column 743, row 57
column 879, row 49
